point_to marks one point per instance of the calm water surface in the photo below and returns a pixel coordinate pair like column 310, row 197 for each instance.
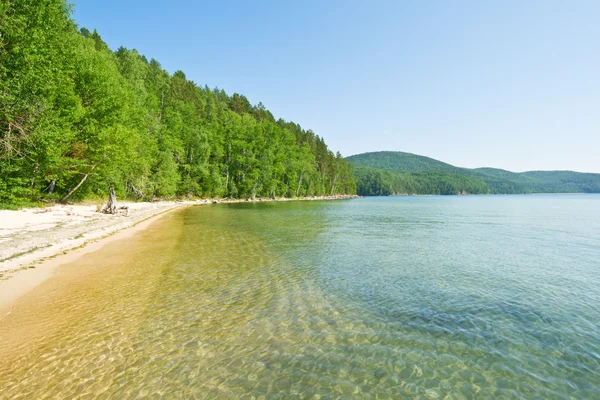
column 412, row 297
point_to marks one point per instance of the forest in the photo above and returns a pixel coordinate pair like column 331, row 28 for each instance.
column 77, row 118
column 394, row 172
column 381, row 182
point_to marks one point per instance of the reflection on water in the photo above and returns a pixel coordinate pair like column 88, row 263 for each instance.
column 472, row 297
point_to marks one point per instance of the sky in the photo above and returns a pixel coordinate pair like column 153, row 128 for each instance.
column 506, row 84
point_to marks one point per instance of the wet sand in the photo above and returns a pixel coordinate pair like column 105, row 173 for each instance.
column 23, row 280
column 35, row 242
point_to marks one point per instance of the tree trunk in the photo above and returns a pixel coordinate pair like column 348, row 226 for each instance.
column 50, row 187
column 81, row 182
column 299, row 185
column 254, row 189
column 227, row 180
column 138, row 193
column 333, row 184
column 74, row 189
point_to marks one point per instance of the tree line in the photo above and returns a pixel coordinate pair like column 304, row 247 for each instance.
column 381, row 182
column 77, row 118
column 393, row 172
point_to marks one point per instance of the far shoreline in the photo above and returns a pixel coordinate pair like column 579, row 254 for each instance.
column 479, row 194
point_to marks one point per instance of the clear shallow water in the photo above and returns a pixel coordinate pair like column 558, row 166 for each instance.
column 410, row 297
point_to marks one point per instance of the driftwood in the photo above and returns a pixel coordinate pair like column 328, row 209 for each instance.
column 111, row 207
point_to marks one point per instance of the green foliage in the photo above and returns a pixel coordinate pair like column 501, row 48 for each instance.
column 77, row 118
column 387, row 172
column 399, row 161
column 381, row 182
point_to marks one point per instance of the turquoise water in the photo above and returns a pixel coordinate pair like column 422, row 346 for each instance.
column 406, row 297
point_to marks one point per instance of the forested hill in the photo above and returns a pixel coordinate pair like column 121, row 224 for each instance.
column 388, row 172
column 399, row 161
column 77, row 118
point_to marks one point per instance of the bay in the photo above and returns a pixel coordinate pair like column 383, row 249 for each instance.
column 399, row 297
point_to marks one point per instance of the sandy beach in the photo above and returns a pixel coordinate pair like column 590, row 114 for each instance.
column 34, row 242
column 31, row 234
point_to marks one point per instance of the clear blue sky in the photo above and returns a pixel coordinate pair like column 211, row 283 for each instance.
column 507, row 84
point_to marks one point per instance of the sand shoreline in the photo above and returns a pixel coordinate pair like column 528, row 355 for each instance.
column 34, row 242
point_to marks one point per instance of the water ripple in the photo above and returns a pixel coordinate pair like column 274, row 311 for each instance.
column 477, row 297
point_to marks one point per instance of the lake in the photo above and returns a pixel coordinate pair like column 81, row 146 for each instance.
column 399, row 297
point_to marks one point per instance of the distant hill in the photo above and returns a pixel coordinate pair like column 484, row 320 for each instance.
column 399, row 161
column 395, row 172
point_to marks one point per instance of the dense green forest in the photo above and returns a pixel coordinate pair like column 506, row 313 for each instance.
column 399, row 161
column 77, row 118
column 387, row 173
column 382, row 182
